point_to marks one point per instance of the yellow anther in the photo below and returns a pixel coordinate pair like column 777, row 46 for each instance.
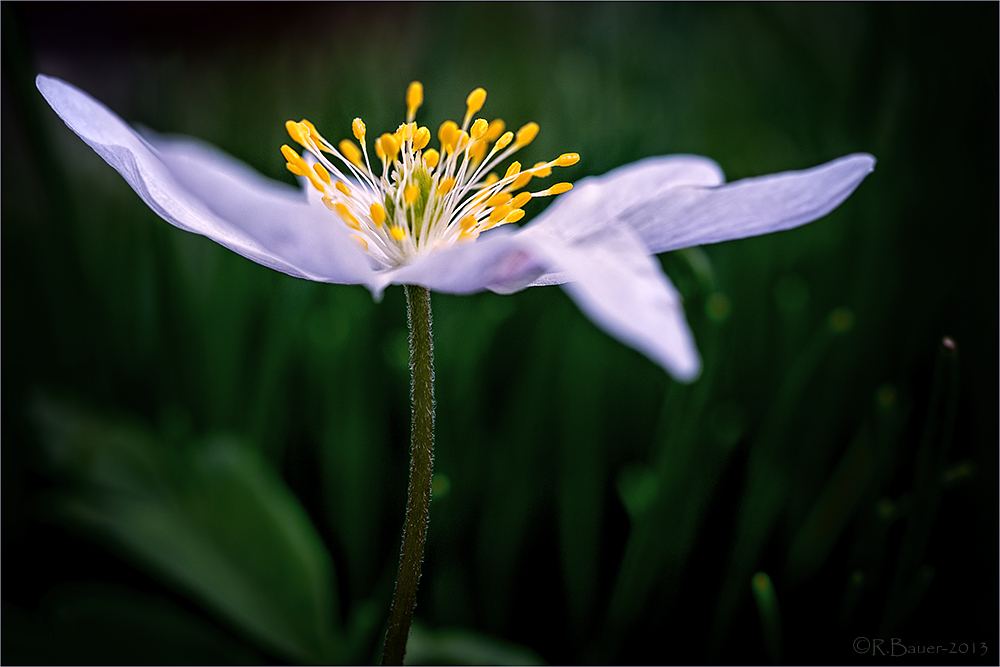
column 504, row 139
column 447, row 132
column 499, row 213
column 360, row 241
column 527, row 134
column 295, row 132
column 389, row 145
column 514, row 168
column 491, row 178
column 379, row 153
column 477, row 151
column 324, row 175
column 309, row 126
column 478, row 129
column 414, row 98
column 567, row 159
column 463, row 140
column 467, row 222
column 541, row 170
column 498, row 199
column 350, row 151
column 358, row 127
column 474, row 102
column 495, row 129
column 328, row 202
column 421, row 138
column 559, row 188
column 410, row 193
column 399, row 136
column 521, row 180
column 351, row 221
column 292, row 156
column 397, row 233
column 346, row 191
column 431, row 158
column 445, row 186
column 514, row 215
column 296, row 169
column 378, row 214
column 521, row 200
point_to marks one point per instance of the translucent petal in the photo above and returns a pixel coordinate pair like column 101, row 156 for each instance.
column 198, row 188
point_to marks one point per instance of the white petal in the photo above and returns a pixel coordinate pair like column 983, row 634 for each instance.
column 687, row 216
column 499, row 260
column 624, row 291
column 200, row 189
column 598, row 200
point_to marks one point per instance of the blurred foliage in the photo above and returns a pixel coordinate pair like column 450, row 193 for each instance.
column 205, row 461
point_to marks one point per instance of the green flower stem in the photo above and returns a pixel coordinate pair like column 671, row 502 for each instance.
column 418, row 309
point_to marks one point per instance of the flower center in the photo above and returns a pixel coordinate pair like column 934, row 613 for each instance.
column 425, row 198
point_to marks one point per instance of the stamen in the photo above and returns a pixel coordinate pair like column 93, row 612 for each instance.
column 514, row 215
column 541, row 170
column 521, row 200
column 350, row 151
column 496, row 128
column 414, row 98
column 421, row 138
column 445, row 186
column 324, row 175
column 358, row 126
column 389, row 147
column 397, row 233
column 342, row 187
column 498, row 199
column 502, row 142
column 377, row 214
column 526, row 134
column 567, row 159
column 410, row 194
column 474, row 102
column 351, row 221
column 514, row 168
column 431, row 158
column 478, row 129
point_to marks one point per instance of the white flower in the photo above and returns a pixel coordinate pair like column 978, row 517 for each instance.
column 416, row 220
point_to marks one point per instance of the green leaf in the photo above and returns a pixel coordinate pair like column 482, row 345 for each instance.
column 211, row 517
column 459, row 647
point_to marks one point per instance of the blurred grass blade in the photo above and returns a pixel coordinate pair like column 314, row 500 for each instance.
column 213, row 519
column 833, row 509
column 458, row 647
column 770, row 615
column 932, row 457
column 855, row 587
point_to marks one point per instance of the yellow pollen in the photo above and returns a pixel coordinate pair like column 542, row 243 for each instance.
column 292, row 156
column 410, row 194
column 527, row 134
column 541, row 170
column 295, row 169
column 350, row 151
column 358, row 127
column 401, row 134
column 474, row 102
column 504, row 139
column 521, row 180
column 343, row 188
column 445, row 186
column 389, row 147
column 421, row 138
column 521, row 200
column 351, row 221
column 378, row 214
column 295, row 132
column 514, row 215
column 447, row 132
column 431, row 158
column 559, row 188
column 477, row 151
column 478, row 129
column 491, row 179
column 467, row 222
column 414, row 98
column 496, row 128
column 567, row 159
column 397, row 233
column 514, row 168
column 324, row 175
column 499, row 213
column 498, row 199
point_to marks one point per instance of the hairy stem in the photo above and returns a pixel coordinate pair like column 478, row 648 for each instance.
column 418, row 308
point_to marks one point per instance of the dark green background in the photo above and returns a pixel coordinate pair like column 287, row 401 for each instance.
column 588, row 508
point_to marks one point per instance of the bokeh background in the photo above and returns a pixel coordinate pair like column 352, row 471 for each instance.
column 205, row 461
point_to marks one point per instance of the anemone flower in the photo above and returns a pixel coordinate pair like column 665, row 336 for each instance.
column 442, row 220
